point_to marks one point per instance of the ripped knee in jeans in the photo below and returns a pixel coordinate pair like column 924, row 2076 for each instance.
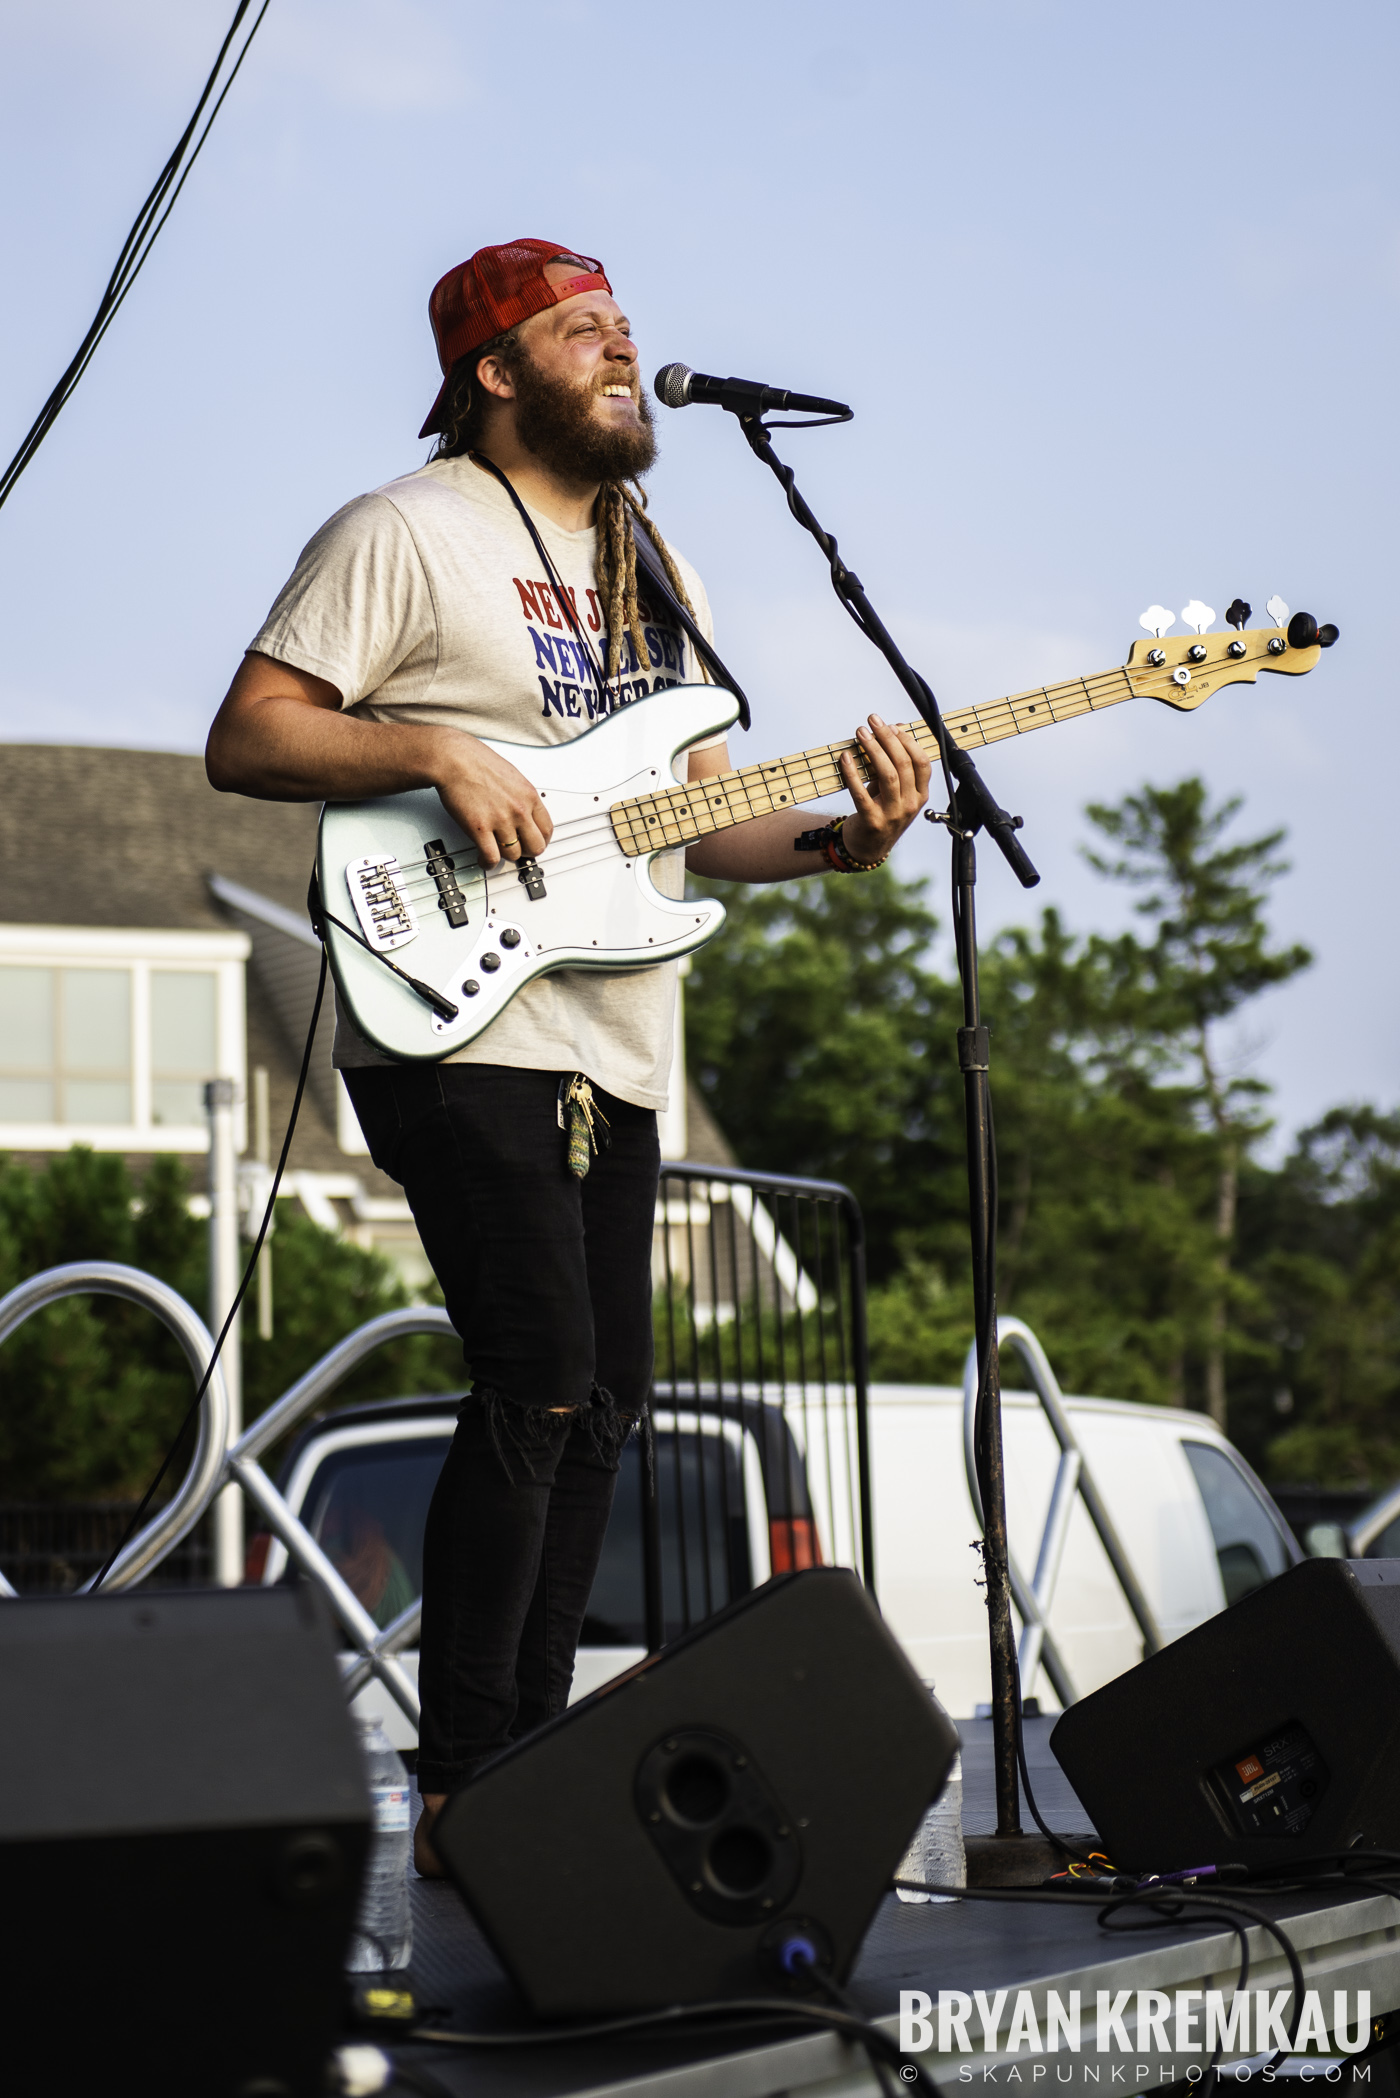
column 606, row 1425
column 526, row 1439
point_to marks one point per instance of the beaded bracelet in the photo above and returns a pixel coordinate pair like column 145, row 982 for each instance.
column 830, row 844
column 840, row 860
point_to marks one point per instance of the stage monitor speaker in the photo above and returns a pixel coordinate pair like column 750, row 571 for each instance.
column 1266, row 1736
column 686, row 1831
column 183, row 1826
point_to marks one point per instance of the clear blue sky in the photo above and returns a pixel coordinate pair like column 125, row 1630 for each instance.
column 1113, row 290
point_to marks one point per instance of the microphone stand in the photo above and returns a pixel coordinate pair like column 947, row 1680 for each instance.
column 971, row 807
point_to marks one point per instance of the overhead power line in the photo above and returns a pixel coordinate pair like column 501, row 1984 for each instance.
column 142, row 237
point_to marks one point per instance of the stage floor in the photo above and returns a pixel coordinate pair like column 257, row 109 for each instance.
column 1351, row 1943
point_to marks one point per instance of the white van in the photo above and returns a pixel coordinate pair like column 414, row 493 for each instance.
column 775, row 1488
column 1199, row 1530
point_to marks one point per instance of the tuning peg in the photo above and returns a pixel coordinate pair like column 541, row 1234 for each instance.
column 1238, row 615
column 1277, row 611
column 1156, row 619
column 1304, row 632
column 1197, row 615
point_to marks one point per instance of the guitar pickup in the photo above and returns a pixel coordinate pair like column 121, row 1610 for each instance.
column 443, row 869
column 528, row 871
column 386, row 916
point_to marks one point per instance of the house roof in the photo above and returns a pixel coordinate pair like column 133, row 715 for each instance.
column 161, row 848
column 151, row 829
column 153, row 832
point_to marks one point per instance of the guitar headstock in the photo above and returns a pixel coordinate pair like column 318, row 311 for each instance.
column 1184, row 671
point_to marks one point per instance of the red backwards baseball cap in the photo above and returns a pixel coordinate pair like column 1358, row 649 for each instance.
column 495, row 290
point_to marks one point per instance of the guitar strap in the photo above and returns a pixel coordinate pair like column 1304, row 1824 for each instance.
column 649, row 561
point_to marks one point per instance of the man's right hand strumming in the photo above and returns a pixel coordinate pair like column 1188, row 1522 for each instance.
column 281, row 735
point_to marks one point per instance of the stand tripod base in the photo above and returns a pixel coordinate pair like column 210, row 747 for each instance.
column 1019, row 1861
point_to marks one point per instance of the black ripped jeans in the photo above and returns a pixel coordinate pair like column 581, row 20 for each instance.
column 548, row 1281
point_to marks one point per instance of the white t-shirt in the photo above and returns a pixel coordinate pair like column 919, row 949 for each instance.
column 423, row 603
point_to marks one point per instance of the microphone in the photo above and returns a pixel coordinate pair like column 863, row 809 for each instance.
column 677, row 386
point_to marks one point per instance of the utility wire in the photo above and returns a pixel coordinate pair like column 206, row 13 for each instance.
column 141, row 239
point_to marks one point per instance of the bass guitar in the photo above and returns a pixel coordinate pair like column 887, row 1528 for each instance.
column 427, row 947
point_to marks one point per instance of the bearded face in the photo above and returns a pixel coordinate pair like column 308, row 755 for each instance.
column 561, row 422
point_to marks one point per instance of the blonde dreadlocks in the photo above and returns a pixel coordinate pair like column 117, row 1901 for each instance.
column 622, row 506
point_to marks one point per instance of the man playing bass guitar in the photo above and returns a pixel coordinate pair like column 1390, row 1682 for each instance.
column 495, row 592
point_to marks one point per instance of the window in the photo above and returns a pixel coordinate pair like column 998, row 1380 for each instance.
column 184, row 1042
column 1249, row 1543
column 365, row 1501
column 65, row 1045
column 110, row 1038
column 1386, row 1546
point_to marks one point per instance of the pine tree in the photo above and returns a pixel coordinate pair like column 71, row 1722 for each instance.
column 1210, row 954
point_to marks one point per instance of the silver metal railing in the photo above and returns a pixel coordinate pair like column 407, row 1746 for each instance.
column 1033, row 1598
column 214, row 1465
column 204, row 1472
column 374, row 1650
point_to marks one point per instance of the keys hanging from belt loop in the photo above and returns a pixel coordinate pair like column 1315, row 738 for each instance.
column 577, row 1113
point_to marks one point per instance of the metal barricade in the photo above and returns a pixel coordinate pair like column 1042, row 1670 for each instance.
column 760, row 1390
column 53, row 1547
column 1033, row 1598
column 203, row 1474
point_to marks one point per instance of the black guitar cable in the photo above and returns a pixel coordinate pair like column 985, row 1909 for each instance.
column 132, row 1527
column 443, row 1007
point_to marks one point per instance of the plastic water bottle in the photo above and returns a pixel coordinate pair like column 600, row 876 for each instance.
column 937, row 1851
column 384, row 1925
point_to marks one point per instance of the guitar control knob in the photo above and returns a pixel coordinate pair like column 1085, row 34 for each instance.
column 470, row 987
column 490, row 962
column 1156, row 657
column 1197, row 652
column 510, row 937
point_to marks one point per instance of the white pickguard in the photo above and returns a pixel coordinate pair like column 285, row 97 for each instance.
column 600, row 909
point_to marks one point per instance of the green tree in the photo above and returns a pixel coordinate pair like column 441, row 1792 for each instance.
column 1321, row 1241
column 824, row 1040
column 825, row 1044
column 1209, row 955
column 92, row 1389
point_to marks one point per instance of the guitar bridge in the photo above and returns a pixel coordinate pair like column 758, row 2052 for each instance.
column 443, row 869
column 386, row 916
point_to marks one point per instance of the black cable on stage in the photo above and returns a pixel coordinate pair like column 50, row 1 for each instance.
column 879, row 2067
column 239, row 1295
column 139, row 242
column 1155, row 1904
column 849, row 2025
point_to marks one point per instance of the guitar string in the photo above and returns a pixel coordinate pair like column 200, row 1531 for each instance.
column 979, row 718
column 1066, row 700
column 821, row 758
column 677, row 806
